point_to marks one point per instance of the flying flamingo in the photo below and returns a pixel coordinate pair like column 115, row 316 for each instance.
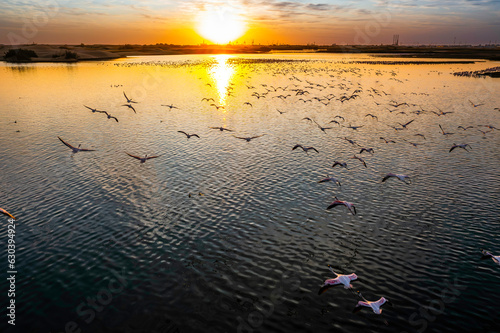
column 374, row 305
column 338, row 202
column 340, row 279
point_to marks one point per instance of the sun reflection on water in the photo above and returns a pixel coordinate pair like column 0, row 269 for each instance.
column 222, row 73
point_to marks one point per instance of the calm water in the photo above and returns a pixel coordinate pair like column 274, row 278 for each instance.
column 107, row 244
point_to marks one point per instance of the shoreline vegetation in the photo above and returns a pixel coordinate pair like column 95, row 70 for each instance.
column 32, row 53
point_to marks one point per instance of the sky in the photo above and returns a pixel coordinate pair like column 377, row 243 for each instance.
column 265, row 22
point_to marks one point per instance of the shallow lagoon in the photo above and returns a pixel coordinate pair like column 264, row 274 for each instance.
column 252, row 252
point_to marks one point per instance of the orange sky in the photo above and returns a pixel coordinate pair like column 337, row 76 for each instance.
column 291, row 22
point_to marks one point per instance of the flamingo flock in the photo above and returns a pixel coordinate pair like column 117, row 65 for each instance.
column 346, row 93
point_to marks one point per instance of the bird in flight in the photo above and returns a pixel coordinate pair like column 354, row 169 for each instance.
column 6, row 213
column 341, row 279
column 74, row 149
column 341, row 164
column 248, row 139
column 387, row 141
column 128, row 99
column 94, row 110
column 142, row 159
column 408, row 123
column 487, row 254
column 371, row 115
column 463, row 146
column 475, row 105
column 374, row 305
column 403, row 178
column 368, row 150
column 110, row 116
column 248, row 103
column 360, row 159
column 330, row 178
column 338, row 202
column 207, row 99
column 444, row 133
column 130, row 107
column 189, row 135
column 171, row 106
column 306, row 149
column 222, row 129
column 217, row 106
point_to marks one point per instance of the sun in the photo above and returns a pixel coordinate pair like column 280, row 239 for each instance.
column 221, row 25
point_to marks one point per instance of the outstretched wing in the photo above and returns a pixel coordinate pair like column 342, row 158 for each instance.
column 334, row 204
column 137, row 157
column 4, row 212
column 380, row 302
column 67, row 144
column 183, row 133
column 150, row 157
column 297, row 146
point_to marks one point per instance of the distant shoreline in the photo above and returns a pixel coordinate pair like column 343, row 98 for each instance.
column 55, row 53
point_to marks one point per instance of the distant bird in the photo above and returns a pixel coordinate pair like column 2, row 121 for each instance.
column 375, row 305
column 413, row 143
column 74, row 149
column 207, row 99
column 352, row 142
column 418, row 134
column 189, row 135
column 465, row 128
column 128, row 99
column 444, row 133
column 359, row 159
column 489, row 126
column 171, row 106
column 130, row 107
column 6, row 213
column 403, row 178
column 371, row 115
column 222, row 129
column 387, row 141
column 281, row 112
column 408, row 123
column 353, row 127
column 340, row 279
column 248, row 103
column 338, row 202
column 111, row 117
column 94, row 110
column 306, row 149
column 368, row 150
column 322, row 128
column 463, row 146
column 484, row 132
column 142, row 159
column 475, row 105
column 330, row 179
column 341, row 164
column 248, row 139
column 487, row 254
column 340, row 117
column 218, row 106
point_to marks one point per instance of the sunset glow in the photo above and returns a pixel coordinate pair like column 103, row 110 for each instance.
column 220, row 26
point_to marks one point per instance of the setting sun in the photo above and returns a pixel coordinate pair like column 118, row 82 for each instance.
column 221, row 26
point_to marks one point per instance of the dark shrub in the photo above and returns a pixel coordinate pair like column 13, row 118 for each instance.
column 20, row 55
